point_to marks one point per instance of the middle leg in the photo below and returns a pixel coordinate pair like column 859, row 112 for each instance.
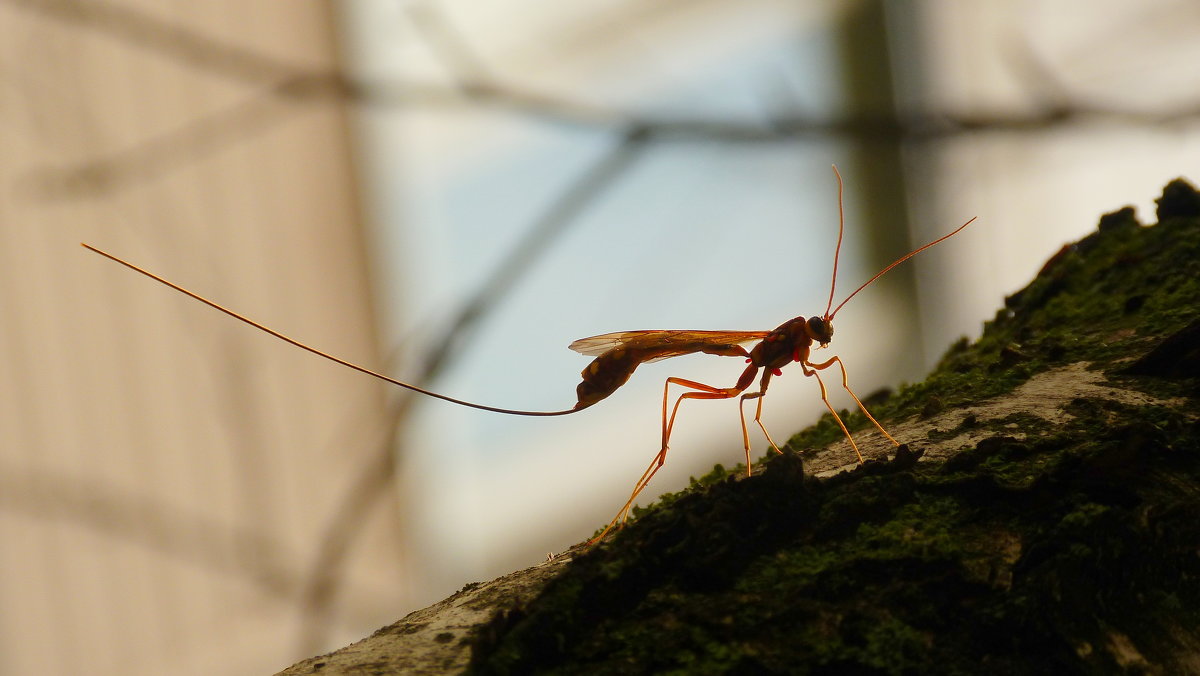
column 759, row 395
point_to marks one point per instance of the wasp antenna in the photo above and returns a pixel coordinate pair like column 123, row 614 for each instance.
column 339, row 360
column 898, row 261
column 838, row 249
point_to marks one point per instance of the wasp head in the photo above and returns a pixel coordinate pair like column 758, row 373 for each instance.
column 820, row 329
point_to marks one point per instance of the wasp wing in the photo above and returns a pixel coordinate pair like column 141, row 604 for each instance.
column 663, row 344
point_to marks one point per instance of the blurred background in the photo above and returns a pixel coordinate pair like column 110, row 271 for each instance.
column 452, row 192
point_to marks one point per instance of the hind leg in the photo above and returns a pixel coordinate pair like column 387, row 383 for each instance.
column 701, row 391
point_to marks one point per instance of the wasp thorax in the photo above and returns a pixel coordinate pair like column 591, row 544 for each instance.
column 820, row 330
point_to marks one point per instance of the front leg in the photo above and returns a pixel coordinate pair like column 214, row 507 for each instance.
column 810, row 369
column 846, row 385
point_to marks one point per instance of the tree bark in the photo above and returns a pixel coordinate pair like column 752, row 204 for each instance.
column 1045, row 521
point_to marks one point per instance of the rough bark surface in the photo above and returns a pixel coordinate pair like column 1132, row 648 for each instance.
column 437, row 639
column 1045, row 521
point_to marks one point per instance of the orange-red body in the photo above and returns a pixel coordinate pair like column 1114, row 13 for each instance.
column 621, row 353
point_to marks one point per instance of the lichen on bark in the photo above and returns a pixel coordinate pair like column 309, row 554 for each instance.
column 1044, row 522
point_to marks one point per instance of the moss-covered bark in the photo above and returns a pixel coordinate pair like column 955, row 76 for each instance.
column 1048, row 521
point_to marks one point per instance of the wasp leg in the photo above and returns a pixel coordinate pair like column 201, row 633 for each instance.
column 757, row 419
column 702, row 392
column 845, row 383
column 805, row 367
column 759, row 395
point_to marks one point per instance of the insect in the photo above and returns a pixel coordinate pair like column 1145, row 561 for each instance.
column 618, row 354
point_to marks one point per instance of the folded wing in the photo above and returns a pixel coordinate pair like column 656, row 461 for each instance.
column 662, row 344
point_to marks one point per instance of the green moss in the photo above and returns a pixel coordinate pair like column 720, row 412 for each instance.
column 1010, row 556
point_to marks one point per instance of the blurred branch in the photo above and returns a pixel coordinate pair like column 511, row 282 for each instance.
column 378, row 473
column 279, row 86
column 210, row 134
column 446, row 42
column 230, row 550
column 237, row 552
column 195, row 140
column 182, row 44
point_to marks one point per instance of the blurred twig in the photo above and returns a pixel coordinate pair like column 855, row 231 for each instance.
column 277, row 88
column 148, row 523
column 378, row 473
column 275, row 82
column 183, row 44
column 211, row 133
